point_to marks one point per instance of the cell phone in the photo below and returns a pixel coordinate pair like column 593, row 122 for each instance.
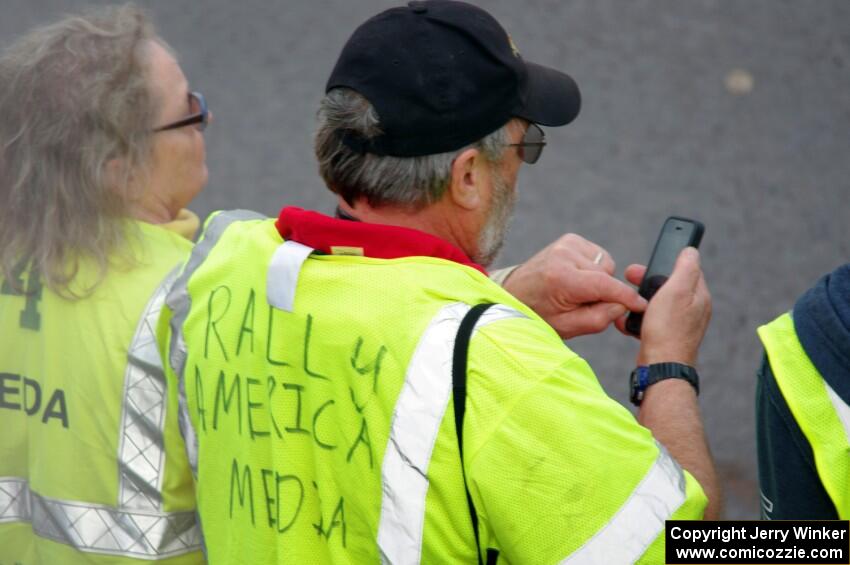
column 676, row 234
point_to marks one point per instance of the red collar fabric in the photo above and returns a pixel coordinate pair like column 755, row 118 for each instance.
column 341, row 237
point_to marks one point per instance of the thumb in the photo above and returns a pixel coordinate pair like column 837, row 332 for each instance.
column 686, row 272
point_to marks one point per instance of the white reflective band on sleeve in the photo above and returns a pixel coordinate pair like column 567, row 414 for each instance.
column 416, row 420
column 841, row 409
column 14, row 500
column 141, row 452
column 640, row 520
column 95, row 528
column 282, row 278
column 494, row 314
column 180, row 303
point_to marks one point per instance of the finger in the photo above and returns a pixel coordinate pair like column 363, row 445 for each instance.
column 620, row 324
column 702, row 286
column 686, row 272
column 594, row 256
column 588, row 319
column 704, row 294
column 602, row 260
column 605, row 288
column 591, row 257
column 634, row 273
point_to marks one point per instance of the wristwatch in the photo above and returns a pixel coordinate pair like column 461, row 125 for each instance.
column 645, row 375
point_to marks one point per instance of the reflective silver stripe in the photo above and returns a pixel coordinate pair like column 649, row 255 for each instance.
column 95, row 528
column 766, row 506
column 282, row 277
column 494, row 314
column 841, row 409
column 14, row 500
column 416, row 420
column 640, row 519
column 141, row 450
column 180, row 303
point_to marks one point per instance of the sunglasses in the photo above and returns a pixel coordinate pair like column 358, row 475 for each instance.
column 532, row 144
column 199, row 115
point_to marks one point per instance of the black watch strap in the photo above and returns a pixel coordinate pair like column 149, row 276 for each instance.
column 645, row 375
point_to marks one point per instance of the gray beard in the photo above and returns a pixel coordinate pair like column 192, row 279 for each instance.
column 499, row 218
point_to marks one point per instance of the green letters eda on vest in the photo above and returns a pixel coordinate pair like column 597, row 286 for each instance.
column 21, row 393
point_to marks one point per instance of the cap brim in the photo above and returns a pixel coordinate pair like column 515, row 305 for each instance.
column 552, row 98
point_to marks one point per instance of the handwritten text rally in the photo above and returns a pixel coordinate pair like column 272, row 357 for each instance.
column 262, row 382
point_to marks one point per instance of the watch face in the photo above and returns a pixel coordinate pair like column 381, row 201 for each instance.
column 638, row 381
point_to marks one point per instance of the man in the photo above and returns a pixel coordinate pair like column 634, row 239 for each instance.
column 803, row 406
column 319, row 362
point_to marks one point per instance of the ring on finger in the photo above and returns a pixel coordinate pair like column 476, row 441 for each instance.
column 598, row 259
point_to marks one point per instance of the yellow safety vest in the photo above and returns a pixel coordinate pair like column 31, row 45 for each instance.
column 822, row 415
column 92, row 465
column 315, row 395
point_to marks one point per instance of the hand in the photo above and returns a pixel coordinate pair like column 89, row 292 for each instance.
column 574, row 294
column 677, row 316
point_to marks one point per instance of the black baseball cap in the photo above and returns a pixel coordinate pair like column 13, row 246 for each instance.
column 443, row 74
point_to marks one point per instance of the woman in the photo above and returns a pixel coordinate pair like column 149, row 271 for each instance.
column 101, row 147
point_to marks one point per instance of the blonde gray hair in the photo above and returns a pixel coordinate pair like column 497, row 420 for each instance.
column 409, row 182
column 73, row 96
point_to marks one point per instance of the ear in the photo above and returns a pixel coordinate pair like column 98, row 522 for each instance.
column 115, row 173
column 118, row 177
column 468, row 180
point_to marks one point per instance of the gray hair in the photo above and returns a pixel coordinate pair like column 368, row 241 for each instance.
column 410, row 182
column 73, row 96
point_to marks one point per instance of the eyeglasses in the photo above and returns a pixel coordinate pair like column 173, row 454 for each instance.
column 532, row 144
column 199, row 115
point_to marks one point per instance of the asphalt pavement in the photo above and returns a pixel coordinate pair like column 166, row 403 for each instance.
column 735, row 113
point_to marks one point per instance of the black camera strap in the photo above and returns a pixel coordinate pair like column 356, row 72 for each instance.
column 459, row 362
